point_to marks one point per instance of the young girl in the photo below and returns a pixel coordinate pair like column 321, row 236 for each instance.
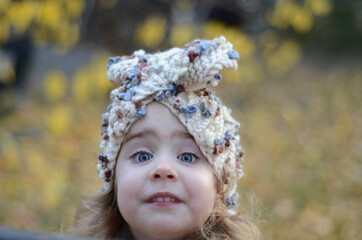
column 171, row 155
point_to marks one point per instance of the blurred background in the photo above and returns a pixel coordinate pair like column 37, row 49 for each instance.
column 297, row 94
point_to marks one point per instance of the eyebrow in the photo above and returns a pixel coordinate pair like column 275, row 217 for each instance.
column 151, row 132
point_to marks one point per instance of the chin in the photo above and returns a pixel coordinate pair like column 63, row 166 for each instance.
column 168, row 228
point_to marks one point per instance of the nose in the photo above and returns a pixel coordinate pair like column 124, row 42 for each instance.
column 163, row 170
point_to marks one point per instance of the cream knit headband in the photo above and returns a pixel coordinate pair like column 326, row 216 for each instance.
column 179, row 79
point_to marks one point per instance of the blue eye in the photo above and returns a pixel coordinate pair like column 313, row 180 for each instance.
column 142, row 157
column 187, row 157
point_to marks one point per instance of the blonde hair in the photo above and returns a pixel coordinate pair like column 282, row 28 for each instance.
column 98, row 216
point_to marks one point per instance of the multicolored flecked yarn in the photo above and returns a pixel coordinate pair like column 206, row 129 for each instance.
column 179, row 79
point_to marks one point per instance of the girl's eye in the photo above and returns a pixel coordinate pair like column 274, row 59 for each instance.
column 187, row 157
column 142, row 157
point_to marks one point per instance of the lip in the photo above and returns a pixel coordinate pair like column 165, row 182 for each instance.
column 163, row 195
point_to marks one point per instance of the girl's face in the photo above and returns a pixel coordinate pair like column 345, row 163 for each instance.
column 165, row 187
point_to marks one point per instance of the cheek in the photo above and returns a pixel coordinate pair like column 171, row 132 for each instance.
column 202, row 189
column 128, row 186
column 127, row 198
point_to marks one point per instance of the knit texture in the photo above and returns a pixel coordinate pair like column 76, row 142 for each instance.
column 179, row 79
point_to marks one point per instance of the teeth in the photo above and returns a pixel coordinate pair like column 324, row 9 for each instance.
column 165, row 199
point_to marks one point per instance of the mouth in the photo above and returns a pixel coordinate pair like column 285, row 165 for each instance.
column 163, row 198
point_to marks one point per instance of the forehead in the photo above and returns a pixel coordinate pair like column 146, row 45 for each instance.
column 160, row 120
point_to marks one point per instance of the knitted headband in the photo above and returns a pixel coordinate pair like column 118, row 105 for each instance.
column 178, row 79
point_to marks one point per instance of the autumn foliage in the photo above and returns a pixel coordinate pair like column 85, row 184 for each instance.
column 300, row 115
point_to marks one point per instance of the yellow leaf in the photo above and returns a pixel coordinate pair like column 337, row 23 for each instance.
column 4, row 4
column 50, row 14
column 181, row 34
column 276, row 20
column 21, row 14
column 59, row 120
column 55, row 86
column 7, row 72
column 290, row 51
column 67, row 35
column 152, row 32
column 281, row 59
column 53, row 188
column 241, row 42
column 232, row 76
column 74, row 8
column 319, row 7
column 282, row 14
column 9, row 153
column 36, row 163
column 302, row 21
column 10, row 187
column 269, row 39
column 4, row 30
column 102, row 84
column 287, row 9
column 213, row 29
column 82, row 89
